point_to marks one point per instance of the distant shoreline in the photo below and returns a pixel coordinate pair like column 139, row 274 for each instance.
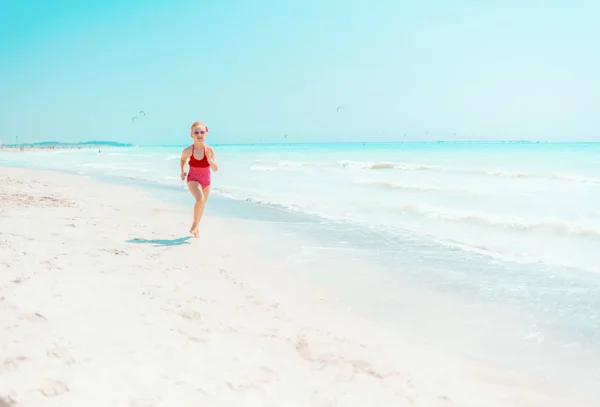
column 51, row 145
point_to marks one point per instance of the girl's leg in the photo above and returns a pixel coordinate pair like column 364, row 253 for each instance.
column 206, row 192
column 198, row 194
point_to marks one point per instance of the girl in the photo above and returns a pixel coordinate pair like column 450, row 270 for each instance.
column 202, row 160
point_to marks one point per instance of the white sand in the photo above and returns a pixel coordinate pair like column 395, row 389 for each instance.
column 89, row 318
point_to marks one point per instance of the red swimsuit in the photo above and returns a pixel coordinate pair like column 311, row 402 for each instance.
column 199, row 170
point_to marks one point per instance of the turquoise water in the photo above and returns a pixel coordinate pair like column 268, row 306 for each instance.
column 527, row 203
column 489, row 248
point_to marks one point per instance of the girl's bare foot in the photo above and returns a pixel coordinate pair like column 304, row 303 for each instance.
column 194, row 230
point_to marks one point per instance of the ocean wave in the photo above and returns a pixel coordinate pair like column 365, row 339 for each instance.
column 116, row 167
column 271, row 165
column 294, row 164
column 559, row 228
column 173, row 157
column 560, row 177
column 273, row 168
column 578, row 178
column 401, row 186
column 127, row 155
column 386, row 165
column 555, row 226
column 239, row 195
column 100, row 165
column 511, row 255
column 504, row 174
column 398, row 166
column 474, row 171
column 255, row 198
column 262, row 165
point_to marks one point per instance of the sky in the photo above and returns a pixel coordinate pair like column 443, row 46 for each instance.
column 259, row 70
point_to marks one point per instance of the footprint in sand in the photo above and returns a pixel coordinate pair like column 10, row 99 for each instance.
column 190, row 314
column 193, row 338
column 36, row 316
column 53, row 388
column 62, row 353
column 114, row 251
column 328, row 359
column 263, row 377
column 10, row 364
column 7, row 401
column 147, row 295
column 141, row 403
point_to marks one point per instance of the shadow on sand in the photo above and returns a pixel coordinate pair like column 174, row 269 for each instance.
column 162, row 242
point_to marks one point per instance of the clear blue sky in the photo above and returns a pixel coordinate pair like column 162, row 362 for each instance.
column 79, row 70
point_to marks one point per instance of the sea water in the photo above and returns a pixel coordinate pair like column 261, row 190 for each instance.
column 492, row 249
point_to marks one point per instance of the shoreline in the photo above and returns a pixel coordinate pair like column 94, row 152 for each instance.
column 105, row 297
column 9, row 147
column 24, row 148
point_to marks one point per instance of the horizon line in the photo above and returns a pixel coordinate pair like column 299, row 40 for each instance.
column 126, row 144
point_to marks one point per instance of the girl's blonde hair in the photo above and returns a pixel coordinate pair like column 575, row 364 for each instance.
column 199, row 124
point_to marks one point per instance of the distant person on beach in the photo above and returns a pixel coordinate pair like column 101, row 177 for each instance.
column 201, row 161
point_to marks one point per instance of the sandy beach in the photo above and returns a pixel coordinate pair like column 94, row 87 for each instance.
column 105, row 300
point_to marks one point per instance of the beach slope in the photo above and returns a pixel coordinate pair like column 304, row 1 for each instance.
column 106, row 301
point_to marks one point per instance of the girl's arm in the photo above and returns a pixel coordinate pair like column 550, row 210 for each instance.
column 184, row 157
column 212, row 159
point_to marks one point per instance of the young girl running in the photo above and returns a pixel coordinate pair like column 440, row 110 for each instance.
column 202, row 161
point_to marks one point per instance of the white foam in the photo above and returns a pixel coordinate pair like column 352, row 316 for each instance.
column 405, row 186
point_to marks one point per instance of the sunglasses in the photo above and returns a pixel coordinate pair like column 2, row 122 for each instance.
column 199, row 132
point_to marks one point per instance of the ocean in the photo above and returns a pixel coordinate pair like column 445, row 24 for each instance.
column 488, row 249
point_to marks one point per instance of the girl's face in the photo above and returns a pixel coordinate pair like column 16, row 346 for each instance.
column 198, row 133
